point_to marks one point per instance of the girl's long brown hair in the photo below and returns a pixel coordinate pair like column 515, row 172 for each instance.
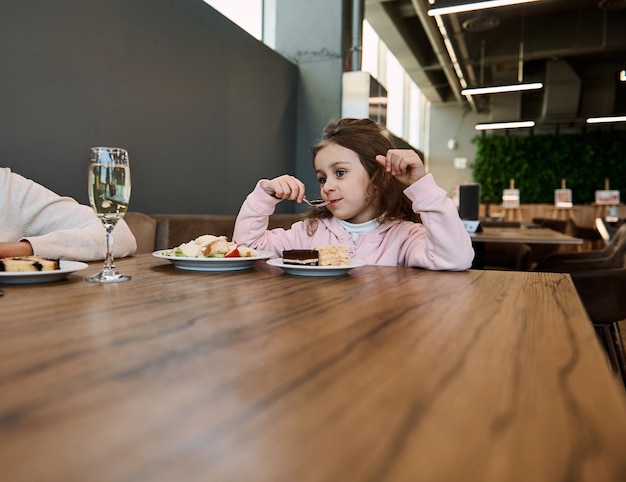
column 368, row 139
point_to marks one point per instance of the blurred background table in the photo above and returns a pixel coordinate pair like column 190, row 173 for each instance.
column 385, row 374
column 523, row 235
column 518, row 236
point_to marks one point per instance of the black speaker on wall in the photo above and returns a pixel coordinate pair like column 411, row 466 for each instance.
column 469, row 201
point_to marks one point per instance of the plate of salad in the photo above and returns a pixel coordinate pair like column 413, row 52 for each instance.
column 212, row 253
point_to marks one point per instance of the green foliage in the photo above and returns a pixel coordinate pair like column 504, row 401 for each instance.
column 538, row 163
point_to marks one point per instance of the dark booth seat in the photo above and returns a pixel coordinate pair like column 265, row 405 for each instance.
column 163, row 231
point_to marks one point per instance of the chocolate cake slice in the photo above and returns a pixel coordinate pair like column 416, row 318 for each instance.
column 302, row 257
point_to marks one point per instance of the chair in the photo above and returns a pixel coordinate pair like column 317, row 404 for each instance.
column 590, row 236
column 608, row 258
column 604, row 230
column 144, row 229
column 607, row 229
column 174, row 229
column 602, row 295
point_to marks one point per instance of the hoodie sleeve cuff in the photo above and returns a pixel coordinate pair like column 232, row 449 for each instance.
column 424, row 191
column 261, row 202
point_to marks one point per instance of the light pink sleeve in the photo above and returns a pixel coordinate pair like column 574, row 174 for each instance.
column 448, row 245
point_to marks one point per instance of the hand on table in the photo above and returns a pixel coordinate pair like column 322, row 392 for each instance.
column 20, row 248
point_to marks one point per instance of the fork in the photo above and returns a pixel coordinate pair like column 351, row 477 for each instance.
column 316, row 203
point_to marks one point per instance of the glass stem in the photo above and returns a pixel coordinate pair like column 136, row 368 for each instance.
column 109, row 263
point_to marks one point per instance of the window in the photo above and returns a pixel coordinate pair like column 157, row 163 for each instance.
column 407, row 107
column 248, row 14
column 394, row 78
column 371, row 44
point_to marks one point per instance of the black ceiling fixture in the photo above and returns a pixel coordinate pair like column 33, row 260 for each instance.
column 576, row 48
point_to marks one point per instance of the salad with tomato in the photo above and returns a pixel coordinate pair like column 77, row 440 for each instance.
column 210, row 246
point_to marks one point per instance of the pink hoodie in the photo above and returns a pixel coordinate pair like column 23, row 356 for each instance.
column 440, row 243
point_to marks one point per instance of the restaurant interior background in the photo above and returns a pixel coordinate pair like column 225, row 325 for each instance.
column 206, row 109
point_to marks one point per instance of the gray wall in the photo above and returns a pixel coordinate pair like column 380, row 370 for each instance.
column 313, row 35
column 204, row 109
column 447, row 122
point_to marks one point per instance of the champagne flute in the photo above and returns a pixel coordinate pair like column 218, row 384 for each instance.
column 109, row 194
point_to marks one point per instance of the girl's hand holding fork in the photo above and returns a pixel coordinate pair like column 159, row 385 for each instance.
column 286, row 187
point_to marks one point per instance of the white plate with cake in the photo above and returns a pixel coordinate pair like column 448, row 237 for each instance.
column 33, row 269
column 306, row 270
column 212, row 264
column 321, row 261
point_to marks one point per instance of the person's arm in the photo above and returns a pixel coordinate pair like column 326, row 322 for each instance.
column 253, row 217
column 20, row 248
column 86, row 242
column 447, row 244
column 251, row 225
column 59, row 227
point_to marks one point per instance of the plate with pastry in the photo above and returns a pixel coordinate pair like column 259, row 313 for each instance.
column 212, row 253
column 36, row 269
column 320, row 261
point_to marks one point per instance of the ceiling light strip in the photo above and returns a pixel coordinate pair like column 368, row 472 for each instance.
column 502, row 88
column 600, row 120
column 467, row 7
column 504, row 125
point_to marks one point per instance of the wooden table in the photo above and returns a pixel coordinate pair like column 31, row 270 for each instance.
column 523, row 235
column 517, row 235
column 392, row 374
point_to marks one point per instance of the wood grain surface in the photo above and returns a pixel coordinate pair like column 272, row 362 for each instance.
column 523, row 235
column 386, row 374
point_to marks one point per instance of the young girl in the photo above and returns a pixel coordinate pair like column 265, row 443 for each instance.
column 383, row 205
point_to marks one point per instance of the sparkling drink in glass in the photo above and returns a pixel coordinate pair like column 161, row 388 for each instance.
column 109, row 194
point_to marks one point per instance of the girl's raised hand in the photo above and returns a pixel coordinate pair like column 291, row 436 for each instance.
column 404, row 164
column 286, row 187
